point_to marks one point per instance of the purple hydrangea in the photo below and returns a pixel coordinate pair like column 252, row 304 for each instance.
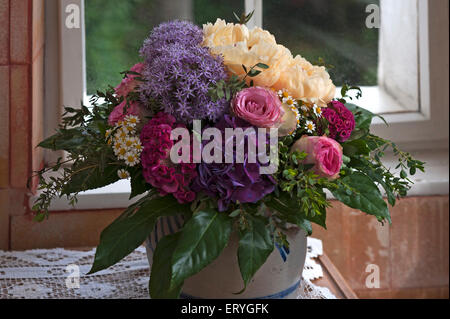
column 179, row 73
column 236, row 182
column 341, row 121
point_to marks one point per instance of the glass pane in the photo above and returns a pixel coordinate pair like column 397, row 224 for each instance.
column 116, row 29
column 333, row 30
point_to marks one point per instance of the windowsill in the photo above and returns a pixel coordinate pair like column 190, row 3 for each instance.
column 378, row 101
column 434, row 182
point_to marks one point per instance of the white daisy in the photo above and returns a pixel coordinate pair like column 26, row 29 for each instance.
column 131, row 120
column 317, row 110
column 290, row 101
column 310, row 126
column 123, row 174
column 131, row 159
column 121, row 153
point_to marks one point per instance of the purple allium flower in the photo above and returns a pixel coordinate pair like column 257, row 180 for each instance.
column 341, row 119
column 179, row 73
column 183, row 32
column 233, row 182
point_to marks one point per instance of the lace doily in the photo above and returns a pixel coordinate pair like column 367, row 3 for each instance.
column 60, row 274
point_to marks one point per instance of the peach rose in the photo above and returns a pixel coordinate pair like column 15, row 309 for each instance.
column 240, row 46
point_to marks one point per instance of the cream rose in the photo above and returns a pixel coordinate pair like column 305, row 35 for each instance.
column 240, row 46
column 223, row 34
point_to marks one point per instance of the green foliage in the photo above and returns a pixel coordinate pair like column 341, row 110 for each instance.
column 138, row 183
column 255, row 246
column 202, row 240
column 130, row 230
column 244, row 18
column 300, row 198
column 161, row 273
column 358, row 191
column 365, row 152
column 227, row 89
column 92, row 162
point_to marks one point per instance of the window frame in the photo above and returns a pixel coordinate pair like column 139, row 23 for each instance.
column 420, row 130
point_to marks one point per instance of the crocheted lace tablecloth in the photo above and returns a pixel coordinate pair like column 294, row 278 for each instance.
column 60, row 274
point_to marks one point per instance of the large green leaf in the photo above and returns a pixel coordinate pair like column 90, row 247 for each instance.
column 202, row 240
column 255, row 246
column 90, row 178
column 364, row 195
column 376, row 175
column 356, row 147
column 67, row 140
column 130, row 230
column 363, row 117
column 161, row 274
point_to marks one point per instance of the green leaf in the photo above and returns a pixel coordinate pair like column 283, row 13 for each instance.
column 363, row 117
column 255, row 246
column 67, row 140
column 356, row 147
column 159, row 285
column 254, row 73
column 138, row 183
column 375, row 176
column 262, row 66
column 202, row 240
column 131, row 229
column 365, row 196
column 289, row 211
column 90, row 178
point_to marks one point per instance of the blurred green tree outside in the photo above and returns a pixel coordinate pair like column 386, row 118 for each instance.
column 333, row 30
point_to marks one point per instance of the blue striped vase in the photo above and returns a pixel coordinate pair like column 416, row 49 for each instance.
column 279, row 278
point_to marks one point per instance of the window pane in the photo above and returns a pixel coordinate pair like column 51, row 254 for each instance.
column 116, row 29
column 333, row 30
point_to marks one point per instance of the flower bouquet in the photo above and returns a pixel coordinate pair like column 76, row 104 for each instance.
column 229, row 143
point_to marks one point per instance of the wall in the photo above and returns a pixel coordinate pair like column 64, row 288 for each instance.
column 412, row 254
column 16, row 93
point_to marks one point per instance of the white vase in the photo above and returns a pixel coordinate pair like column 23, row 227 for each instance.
column 276, row 279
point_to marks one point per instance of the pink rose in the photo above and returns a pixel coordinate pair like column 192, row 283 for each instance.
column 259, row 106
column 129, row 83
column 325, row 153
column 119, row 113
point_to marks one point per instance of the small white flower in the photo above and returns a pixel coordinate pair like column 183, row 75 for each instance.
column 310, row 126
column 121, row 153
column 123, row 174
column 131, row 120
column 131, row 159
column 317, row 110
column 290, row 101
column 121, row 134
column 305, row 109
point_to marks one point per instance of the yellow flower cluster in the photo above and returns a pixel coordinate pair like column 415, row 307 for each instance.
column 240, row 46
column 125, row 142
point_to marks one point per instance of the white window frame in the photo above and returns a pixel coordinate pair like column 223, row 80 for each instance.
column 425, row 128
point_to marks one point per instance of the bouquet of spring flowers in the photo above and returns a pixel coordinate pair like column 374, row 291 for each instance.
column 224, row 127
